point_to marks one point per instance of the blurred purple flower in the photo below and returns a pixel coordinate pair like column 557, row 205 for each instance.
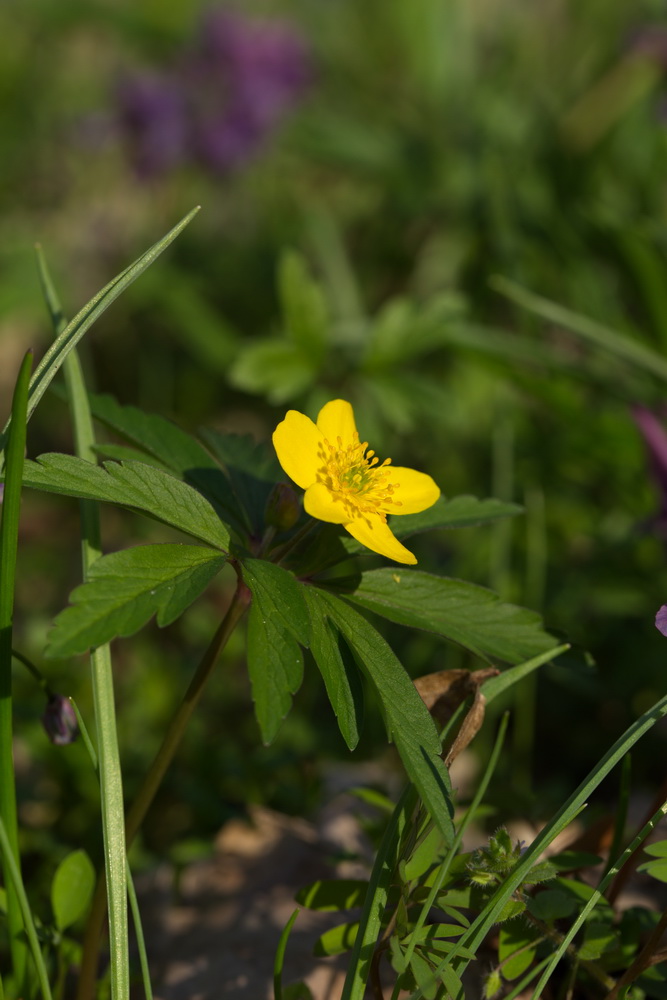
column 655, row 438
column 59, row 720
column 661, row 620
column 221, row 102
column 153, row 115
column 2, row 491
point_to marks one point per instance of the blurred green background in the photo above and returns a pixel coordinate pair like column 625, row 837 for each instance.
column 393, row 157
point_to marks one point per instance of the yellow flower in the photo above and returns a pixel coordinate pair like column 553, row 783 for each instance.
column 345, row 483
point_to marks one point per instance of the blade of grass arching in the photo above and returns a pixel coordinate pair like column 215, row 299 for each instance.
column 70, row 335
column 15, row 883
column 111, row 786
column 478, row 930
column 597, row 895
column 634, row 351
column 451, row 854
column 9, row 529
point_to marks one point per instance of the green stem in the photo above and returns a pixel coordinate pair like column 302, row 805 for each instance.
column 14, row 881
column 111, row 784
column 156, row 773
column 9, row 527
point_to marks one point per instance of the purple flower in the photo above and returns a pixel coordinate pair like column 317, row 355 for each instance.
column 661, row 620
column 153, row 116
column 223, row 99
column 655, row 438
column 59, row 720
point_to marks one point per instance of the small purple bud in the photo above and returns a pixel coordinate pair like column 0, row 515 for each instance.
column 59, row 720
column 282, row 507
column 661, row 620
column 2, row 491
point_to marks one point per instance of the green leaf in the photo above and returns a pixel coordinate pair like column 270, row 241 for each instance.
column 600, row 937
column 516, row 937
column 124, row 589
column 74, row 331
column 337, row 940
column 423, row 973
column 304, row 307
column 172, row 447
column 134, row 485
column 462, row 612
column 333, row 894
column 252, row 468
column 657, row 869
column 658, row 849
column 424, row 855
column 569, row 861
column 72, row 888
column 278, row 621
column 341, row 677
column 457, row 512
column 410, row 723
column 273, row 368
column 552, row 904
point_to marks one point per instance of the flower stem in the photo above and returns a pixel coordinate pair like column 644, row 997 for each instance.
column 156, row 772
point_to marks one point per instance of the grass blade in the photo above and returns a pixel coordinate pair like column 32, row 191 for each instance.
column 9, row 527
column 112, row 805
column 623, row 347
column 69, row 335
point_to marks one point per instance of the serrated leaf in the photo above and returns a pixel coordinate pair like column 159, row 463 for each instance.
column 280, row 595
column 516, row 937
column 455, row 512
column 72, row 888
column 252, row 469
column 341, row 677
column 278, row 621
column 512, row 908
column 133, row 485
column 125, row 589
column 544, row 871
column 304, row 307
column 411, row 726
column 472, row 616
column 172, row 447
column 337, row 940
column 327, row 895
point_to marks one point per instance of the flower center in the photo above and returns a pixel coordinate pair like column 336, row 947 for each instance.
column 353, row 474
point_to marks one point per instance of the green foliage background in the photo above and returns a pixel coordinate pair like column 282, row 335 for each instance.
column 440, row 143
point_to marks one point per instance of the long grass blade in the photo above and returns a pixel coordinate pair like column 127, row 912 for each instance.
column 9, row 529
column 15, row 882
column 69, row 335
column 638, row 354
column 478, row 930
column 111, row 787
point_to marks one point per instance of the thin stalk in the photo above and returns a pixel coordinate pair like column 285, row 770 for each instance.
column 156, row 773
column 451, row 854
column 15, row 882
column 9, row 529
column 595, row 898
column 111, row 784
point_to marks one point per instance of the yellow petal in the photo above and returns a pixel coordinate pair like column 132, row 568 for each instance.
column 336, row 419
column 298, row 443
column 414, row 490
column 320, row 502
column 375, row 534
